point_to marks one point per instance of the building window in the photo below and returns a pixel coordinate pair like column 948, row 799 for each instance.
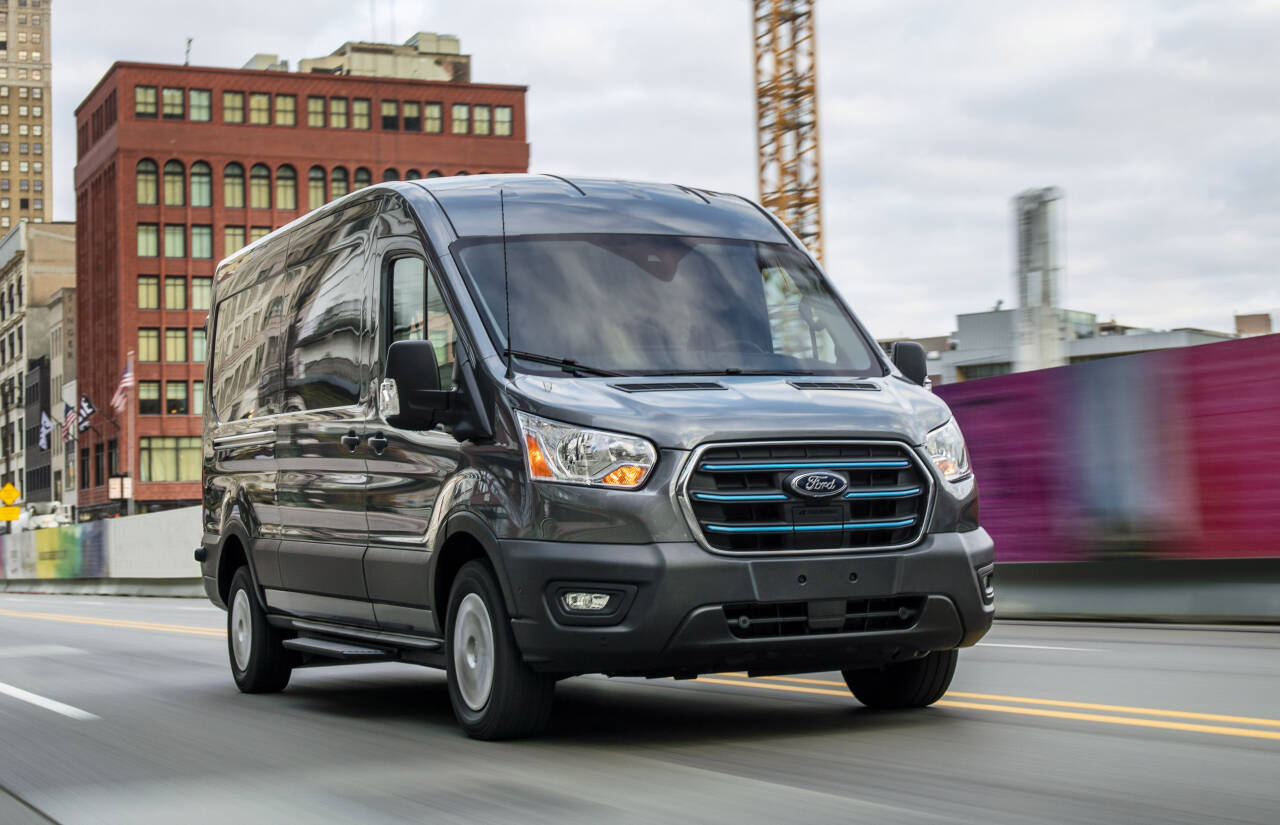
column 259, row 108
column 84, row 468
column 175, row 397
column 144, row 101
column 359, row 113
column 390, row 174
column 175, row 184
column 315, row 187
column 315, row 112
column 149, row 344
column 233, row 185
column 99, row 465
column 171, row 100
column 390, row 116
column 363, row 178
column 148, row 397
column 412, row 116
column 175, row 240
column 286, row 110
column 147, row 174
column 233, row 107
column 337, row 113
column 286, row 188
column 413, row 174
column 461, row 118
column 256, row 232
column 502, row 121
column 260, row 187
column 339, row 183
column 198, row 346
column 232, row 239
column 433, row 118
column 201, row 241
column 481, row 120
column 201, row 184
column 148, row 240
column 175, row 293
column 148, row 292
column 197, row 396
column 169, row 458
column 200, row 104
column 201, row 293
column 175, row 345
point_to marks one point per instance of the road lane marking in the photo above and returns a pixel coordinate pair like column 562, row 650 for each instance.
column 1058, row 703
column 125, row 623
column 47, row 704
column 1042, row 712
column 1037, row 647
column 21, row 651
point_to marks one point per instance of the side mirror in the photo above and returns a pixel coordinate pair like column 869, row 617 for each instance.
column 908, row 357
column 410, row 397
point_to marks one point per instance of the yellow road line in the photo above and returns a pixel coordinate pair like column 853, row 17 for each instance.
column 1062, row 703
column 125, row 623
column 1053, row 714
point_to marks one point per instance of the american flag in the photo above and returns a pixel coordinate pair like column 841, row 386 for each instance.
column 68, row 422
column 121, row 398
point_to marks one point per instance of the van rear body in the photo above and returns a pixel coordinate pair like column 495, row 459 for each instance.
column 524, row 428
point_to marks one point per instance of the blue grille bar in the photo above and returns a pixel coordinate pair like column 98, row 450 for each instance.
column 884, row 493
column 739, row 496
column 810, row 528
column 809, row 465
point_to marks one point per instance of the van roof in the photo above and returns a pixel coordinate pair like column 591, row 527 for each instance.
column 549, row 204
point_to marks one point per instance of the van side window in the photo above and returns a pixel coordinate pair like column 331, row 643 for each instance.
column 249, row 327
column 418, row 312
column 322, row 364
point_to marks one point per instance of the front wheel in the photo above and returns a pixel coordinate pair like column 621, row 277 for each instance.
column 259, row 662
column 495, row 695
column 914, row 684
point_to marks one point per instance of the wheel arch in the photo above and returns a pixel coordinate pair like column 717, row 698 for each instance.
column 465, row 538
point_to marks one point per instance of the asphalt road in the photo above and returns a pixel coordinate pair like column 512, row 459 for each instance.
column 117, row 710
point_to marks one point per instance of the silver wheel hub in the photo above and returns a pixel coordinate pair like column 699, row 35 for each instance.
column 472, row 645
column 241, row 629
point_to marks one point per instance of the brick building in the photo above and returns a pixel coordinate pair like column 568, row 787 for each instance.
column 179, row 166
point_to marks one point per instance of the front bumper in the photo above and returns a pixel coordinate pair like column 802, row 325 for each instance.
column 673, row 621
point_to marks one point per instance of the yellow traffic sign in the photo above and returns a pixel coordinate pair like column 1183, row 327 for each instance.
column 9, row 494
column 10, row 513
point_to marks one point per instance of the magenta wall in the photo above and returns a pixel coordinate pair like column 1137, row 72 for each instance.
column 1167, row 454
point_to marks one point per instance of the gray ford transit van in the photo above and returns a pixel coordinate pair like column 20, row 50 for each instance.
column 521, row 427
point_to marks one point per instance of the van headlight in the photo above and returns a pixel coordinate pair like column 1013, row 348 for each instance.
column 948, row 453
column 568, row 454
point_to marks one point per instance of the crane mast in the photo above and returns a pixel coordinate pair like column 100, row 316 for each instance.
column 787, row 116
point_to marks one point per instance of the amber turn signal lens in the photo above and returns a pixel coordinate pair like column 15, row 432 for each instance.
column 537, row 461
column 625, row 476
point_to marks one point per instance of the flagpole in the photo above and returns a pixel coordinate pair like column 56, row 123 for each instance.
column 129, row 445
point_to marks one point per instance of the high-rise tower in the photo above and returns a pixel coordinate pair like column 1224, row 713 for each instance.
column 25, row 157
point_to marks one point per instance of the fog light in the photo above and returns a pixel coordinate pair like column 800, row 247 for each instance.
column 578, row 600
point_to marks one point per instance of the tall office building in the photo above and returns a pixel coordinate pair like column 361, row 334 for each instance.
column 178, row 167
column 26, row 179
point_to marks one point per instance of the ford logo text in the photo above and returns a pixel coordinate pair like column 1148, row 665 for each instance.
column 818, row 483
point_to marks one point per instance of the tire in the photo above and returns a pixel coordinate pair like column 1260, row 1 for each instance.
column 914, row 684
column 495, row 695
column 259, row 662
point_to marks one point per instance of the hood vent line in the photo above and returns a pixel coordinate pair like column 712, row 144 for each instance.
column 863, row 386
column 670, row 386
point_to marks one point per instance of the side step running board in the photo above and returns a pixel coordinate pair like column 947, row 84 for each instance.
column 379, row 638
column 337, row 650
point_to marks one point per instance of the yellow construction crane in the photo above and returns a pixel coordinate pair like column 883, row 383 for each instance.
column 787, row 116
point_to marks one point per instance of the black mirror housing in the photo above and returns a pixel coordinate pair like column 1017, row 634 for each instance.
column 410, row 397
column 908, row 357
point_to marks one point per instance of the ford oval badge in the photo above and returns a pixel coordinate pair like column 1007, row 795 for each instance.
column 818, row 483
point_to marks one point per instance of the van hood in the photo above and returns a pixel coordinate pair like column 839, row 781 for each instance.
column 743, row 408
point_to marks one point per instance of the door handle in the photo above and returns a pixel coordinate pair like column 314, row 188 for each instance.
column 378, row 442
column 351, row 440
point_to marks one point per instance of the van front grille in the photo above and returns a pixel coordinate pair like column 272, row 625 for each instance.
column 780, row 619
column 741, row 500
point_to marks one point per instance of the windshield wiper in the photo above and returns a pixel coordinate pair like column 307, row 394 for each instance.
column 734, row 371
column 567, row 364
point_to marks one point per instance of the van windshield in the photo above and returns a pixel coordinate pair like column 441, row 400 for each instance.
column 656, row 304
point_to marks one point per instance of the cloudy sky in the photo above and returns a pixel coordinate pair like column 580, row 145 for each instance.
column 1159, row 120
